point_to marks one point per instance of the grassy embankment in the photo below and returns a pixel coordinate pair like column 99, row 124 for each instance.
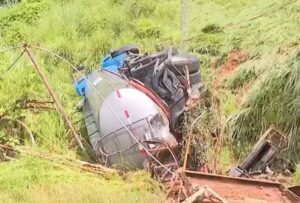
column 84, row 31
column 264, row 89
column 33, row 180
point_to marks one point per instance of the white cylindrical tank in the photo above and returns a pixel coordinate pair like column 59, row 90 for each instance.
column 123, row 105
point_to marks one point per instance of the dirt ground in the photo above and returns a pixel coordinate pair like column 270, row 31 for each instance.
column 234, row 59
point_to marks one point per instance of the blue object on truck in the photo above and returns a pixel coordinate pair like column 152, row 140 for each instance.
column 80, row 87
column 113, row 63
column 109, row 63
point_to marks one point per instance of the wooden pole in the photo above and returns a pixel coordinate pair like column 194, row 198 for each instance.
column 184, row 23
column 187, row 151
column 54, row 96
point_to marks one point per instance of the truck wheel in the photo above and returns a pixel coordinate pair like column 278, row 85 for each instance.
column 178, row 63
column 128, row 48
column 163, row 55
column 194, row 78
column 143, row 72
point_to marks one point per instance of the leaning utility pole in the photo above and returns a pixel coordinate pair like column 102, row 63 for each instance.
column 184, row 23
column 53, row 95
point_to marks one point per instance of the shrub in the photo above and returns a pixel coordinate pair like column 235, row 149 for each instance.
column 146, row 28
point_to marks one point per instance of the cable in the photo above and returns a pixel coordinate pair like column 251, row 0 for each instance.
column 105, row 103
column 261, row 15
column 8, row 49
column 14, row 63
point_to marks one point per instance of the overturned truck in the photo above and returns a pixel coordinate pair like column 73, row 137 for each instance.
column 133, row 104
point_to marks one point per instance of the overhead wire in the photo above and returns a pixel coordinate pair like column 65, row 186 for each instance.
column 14, row 62
column 10, row 48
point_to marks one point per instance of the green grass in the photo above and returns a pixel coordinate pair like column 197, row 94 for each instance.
column 226, row 160
column 215, row 27
column 84, row 31
column 268, row 31
column 33, row 180
column 243, row 76
column 273, row 100
column 296, row 176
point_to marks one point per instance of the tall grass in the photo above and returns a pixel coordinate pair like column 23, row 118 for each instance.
column 82, row 32
column 273, row 100
column 268, row 31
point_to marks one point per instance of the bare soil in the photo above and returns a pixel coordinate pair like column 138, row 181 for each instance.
column 234, row 59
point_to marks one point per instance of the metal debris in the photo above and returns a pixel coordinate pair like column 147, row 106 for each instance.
column 265, row 157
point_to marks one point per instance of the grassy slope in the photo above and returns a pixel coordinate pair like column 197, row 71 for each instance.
column 29, row 179
column 83, row 31
column 268, row 31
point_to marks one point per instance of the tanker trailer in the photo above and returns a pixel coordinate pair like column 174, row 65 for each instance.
column 123, row 122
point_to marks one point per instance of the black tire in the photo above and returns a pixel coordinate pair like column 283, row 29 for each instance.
column 141, row 60
column 178, row 63
column 128, row 48
column 140, row 70
column 163, row 55
column 143, row 72
column 194, row 78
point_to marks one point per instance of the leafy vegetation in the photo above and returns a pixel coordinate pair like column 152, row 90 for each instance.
column 84, row 31
column 240, row 78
